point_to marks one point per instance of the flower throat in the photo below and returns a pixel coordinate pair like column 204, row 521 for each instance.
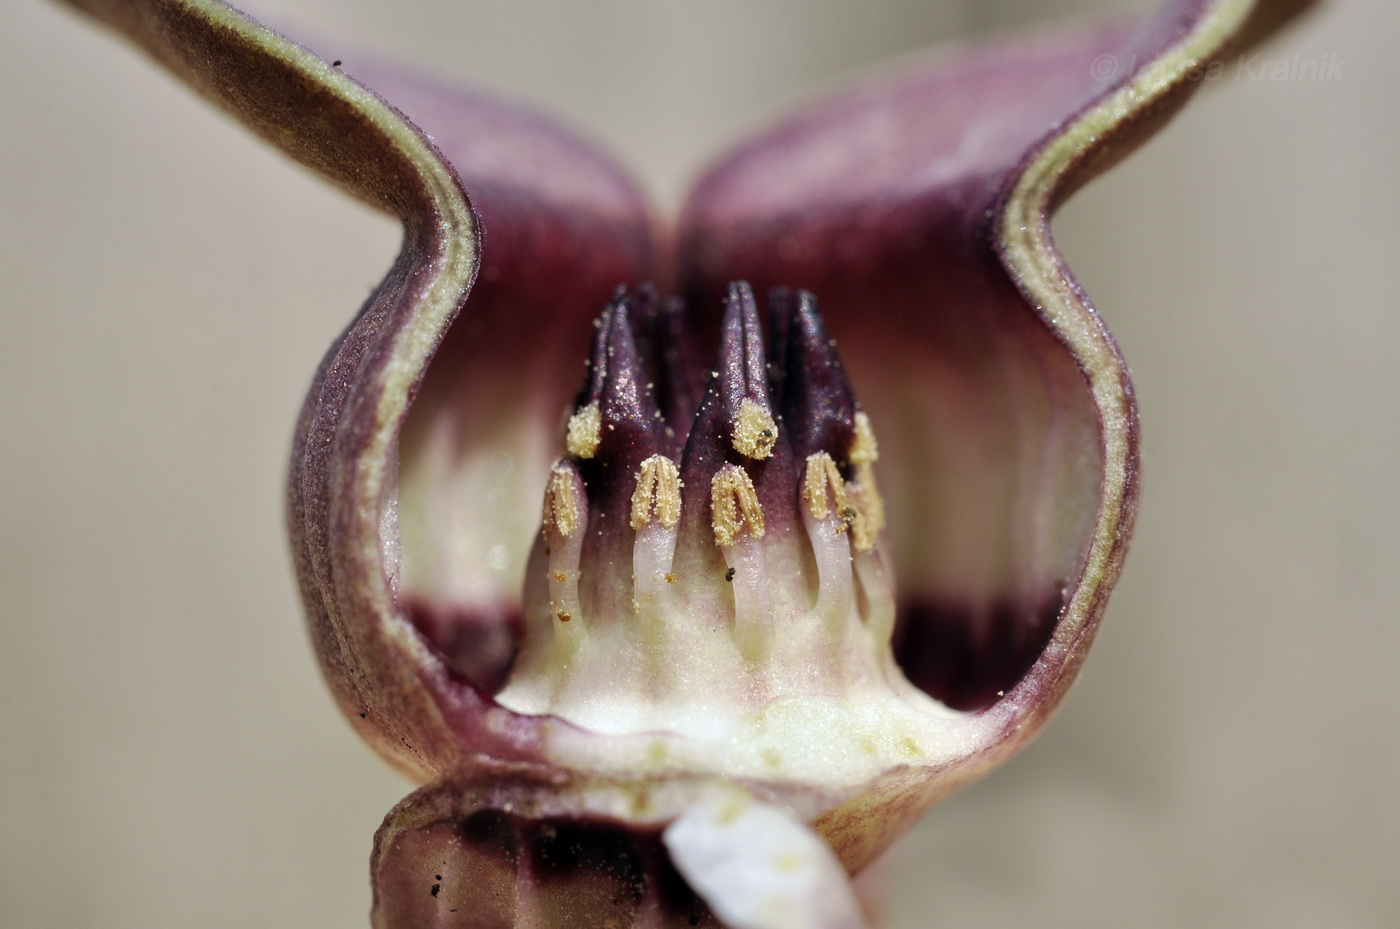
column 710, row 554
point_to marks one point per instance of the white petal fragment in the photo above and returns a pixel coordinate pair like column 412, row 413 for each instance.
column 758, row 868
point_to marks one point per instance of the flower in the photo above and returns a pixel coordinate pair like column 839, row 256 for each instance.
column 701, row 695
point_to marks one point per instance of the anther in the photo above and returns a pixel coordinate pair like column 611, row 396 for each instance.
column 565, row 515
column 755, row 433
column 864, row 492
column 864, row 449
column 824, row 489
column 658, row 493
column 561, row 505
column 734, row 506
column 869, row 519
column 584, row 431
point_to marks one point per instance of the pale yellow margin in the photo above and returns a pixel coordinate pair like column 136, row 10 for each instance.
column 454, row 264
column 1032, row 258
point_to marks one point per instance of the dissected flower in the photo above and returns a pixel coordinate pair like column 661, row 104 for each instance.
column 821, row 537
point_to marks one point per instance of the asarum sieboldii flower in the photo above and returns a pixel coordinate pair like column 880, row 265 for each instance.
column 825, row 531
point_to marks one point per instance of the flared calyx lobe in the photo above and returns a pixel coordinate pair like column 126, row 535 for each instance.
column 703, row 600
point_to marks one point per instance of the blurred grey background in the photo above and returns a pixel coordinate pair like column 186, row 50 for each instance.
column 168, row 755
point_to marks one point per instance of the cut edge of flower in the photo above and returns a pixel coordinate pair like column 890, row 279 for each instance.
column 1104, row 132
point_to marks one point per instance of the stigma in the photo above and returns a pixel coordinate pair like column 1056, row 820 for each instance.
column 710, row 562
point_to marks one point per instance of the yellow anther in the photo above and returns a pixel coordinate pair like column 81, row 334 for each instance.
column 823, row 488
column 864, row 449
column 869, row 508
column 584, row 431
column 658, row 493
column 868, row 520
column 734, row 506
column 755, row 432
column 560, row 504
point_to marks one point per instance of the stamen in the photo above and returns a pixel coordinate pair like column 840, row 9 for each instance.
column 565, row 510
column 737, row 519
column 827, row 517
column 656, row 510
column 735, row 510
column 584, row 431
